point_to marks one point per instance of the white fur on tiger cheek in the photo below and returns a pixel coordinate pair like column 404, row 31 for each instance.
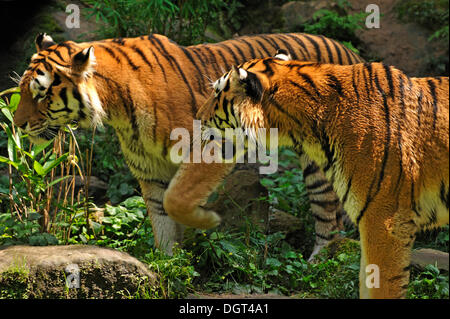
column 220, row 83
column 40, row 84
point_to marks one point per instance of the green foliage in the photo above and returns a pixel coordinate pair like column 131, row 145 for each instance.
column 431, row 14
column 241, row 262
column 108, row 163
column 184, row 21
column 32, row 178
column 336, row 24
column 429, row 284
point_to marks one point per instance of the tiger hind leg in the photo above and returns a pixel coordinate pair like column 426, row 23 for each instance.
column 386, row 243
column 325, row 205
column 167, row 232
column 189, row 189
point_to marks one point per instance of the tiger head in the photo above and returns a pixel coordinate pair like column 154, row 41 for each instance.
column 237, row 97
column 57, row 89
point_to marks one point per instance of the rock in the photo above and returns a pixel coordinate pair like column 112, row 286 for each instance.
column 294, row 229
column 90, row 271
column 97, row 188
column 236, row 199
column 296, row 13
column 420, row 258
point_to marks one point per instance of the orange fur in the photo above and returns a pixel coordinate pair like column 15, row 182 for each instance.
column 145, row 87
column 381, row 138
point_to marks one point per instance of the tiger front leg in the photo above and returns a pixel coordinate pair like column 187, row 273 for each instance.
column 189, row 189
column 386, row 244
column 167, row 232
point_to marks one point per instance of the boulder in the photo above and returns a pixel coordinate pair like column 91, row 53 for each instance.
column 420, row 258
column 236, row 200
column 73, row 271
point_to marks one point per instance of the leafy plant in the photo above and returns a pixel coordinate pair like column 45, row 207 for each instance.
column 184, row 21
column 429, row 284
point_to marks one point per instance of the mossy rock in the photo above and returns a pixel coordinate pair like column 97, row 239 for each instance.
column 72, row 272
column 340, row 246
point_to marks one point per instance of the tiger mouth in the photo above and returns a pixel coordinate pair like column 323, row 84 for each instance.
column 47, row 134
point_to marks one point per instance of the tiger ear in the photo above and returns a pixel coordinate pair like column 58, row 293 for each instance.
column 283, row 55
column 250, row 82
column 43, row 41
column 84, row 60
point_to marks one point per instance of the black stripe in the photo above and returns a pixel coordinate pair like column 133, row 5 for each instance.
column 324, row 203
column 250, row 47
column 399, row 127
column 316, row 47
column 143, row 56
column 432, row 87
column 234, row 45
column 310, row 81
column 125, row 55
column 349, row 58
column 59, row 63
column 161, row 183
column 173, row 62
column 200, row 83
column 289, row 48
column 63, row 95
column 327, row 189
column 225, row 61
column 388, row 135
column 349, row 186
column 327, row 47
column 413, row 200
column 336, row 85
column 369, row 198
column 160, row 65
column 338, row 51
column 304, row 50
column 419, row 107
column 214, row 60
column 264, row 48
column 312, row 168
column 387, row 69
column 316, row 184
column 229, row 50
column 323, row 220
column 355, row 86
column 271, row 42
column 111, row 53
column 304, row 90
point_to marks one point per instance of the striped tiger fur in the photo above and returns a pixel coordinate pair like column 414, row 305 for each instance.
column 145, row 87
column 381, row 137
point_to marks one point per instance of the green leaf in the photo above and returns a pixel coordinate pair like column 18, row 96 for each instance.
column 50, row 165
column 8, row 114
column 37, row 149
column 14, row 102
column 38, row 168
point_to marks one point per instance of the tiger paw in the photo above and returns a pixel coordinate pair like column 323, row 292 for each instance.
column 198, row 218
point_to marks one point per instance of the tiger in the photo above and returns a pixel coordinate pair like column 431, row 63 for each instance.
column 381, row 138
column 144, row 87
